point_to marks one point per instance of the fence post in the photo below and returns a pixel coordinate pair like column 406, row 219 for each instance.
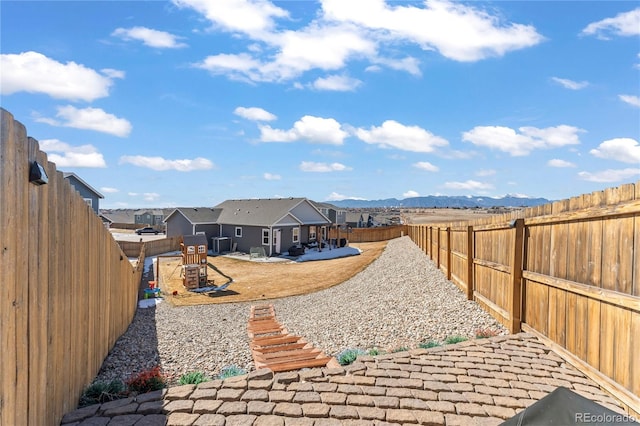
column 449, row 253
column 516, row 275
column 470, row 257
column 438, row 247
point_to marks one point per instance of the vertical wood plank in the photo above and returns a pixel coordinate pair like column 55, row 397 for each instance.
column 593, row 338
column 516, row 275
column 448, row 242
column 470, row 257
column 22, row 283
column 623, row 348
column 9, row 255
column 607, row 338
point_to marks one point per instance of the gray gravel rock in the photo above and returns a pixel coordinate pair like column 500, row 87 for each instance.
column 398, row 301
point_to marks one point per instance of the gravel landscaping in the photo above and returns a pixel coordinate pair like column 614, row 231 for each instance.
column 398, row 301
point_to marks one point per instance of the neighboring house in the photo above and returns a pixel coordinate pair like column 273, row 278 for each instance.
column 191, row 221
column 149, row 217
column 90, row 195
column 273, row 224
column 359, row 219
column 117, row 216
column 336, row 215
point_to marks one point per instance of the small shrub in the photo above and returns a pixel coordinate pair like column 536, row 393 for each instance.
column 374, row 351
column 230, row 371
column 400, row 349
column 429, row 344
column 454, row 339
column 193, row 378
column 101, row 392
column 347, row 356
column 483, row 333
column 147, row 381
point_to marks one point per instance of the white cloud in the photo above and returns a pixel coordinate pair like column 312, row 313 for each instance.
column 609, row 176
column 485, row 172
column 72, row 156
column 470, row 185
column 310, row 166
column 271, row 176
column 161, row 164
column 33, row 72
column 395, row 135
column 425, row 165
column 89, row 119
column 254, row 114
column 352, row 31
column 150, row 37
column 252, row 18
column 519, row 144
column 624, row 24
column 626, row 150
column 560, row 163
column 570, row 84
column 334, row 196
column 109, row 190
column 457, row 31
column 630, row 99
column 410, row 193
column 309, row 128
column 150, row 196
column 337, row 83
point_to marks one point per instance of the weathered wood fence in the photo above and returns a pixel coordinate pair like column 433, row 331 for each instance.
column 152, row 248
column 366, row 235
column 67, row 290
column 568, row 272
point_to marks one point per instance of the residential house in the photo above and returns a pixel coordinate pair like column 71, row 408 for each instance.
column 335, row 214
column 273, row 224
column 119, row 216
column 192, row 221
column 90, row 195
column 359, row 219
column 153, row 218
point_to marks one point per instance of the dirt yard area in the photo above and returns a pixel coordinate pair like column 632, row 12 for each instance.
column 264, row 280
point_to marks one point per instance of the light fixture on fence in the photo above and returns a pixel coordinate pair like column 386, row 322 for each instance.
column 37, row 174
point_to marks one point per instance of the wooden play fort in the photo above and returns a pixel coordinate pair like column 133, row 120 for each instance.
column 194, row 261
column 274, row 348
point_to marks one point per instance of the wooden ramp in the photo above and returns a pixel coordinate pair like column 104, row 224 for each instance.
column 273, row 347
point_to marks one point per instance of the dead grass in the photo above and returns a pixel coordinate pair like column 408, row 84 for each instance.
column 262, row 281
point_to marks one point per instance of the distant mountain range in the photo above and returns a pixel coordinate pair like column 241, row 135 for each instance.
column 443, row 201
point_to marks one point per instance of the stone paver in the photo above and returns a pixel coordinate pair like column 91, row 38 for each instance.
column 478, row 382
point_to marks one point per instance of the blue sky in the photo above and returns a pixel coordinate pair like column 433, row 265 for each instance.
column 192, row 102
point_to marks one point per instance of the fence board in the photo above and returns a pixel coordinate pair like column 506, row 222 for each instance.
column 8, row 230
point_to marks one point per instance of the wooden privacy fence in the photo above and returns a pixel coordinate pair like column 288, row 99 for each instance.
column 152, row 248
column 568, row 272
column 366, row 235
column 67, row 290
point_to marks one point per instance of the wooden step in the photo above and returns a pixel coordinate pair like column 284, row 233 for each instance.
column 273, row 347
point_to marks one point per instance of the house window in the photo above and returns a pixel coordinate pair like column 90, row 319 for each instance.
column 312, row 232
column 202, row 249
column 238, row 232
column 265, row 237
column 89, row 202
column 296, row 235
